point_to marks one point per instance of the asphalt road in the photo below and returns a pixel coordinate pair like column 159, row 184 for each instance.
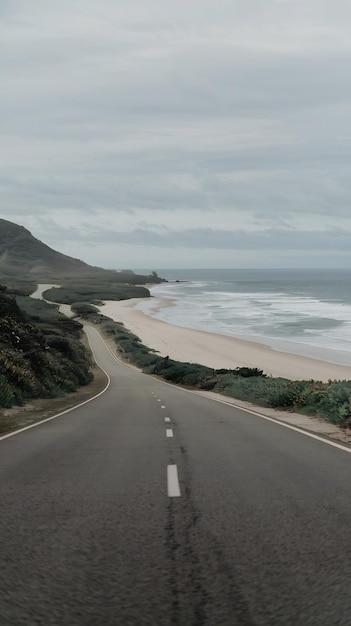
column 92, row 532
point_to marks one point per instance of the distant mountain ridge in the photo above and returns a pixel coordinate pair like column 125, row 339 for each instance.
column 23, row 257
column 20, row 252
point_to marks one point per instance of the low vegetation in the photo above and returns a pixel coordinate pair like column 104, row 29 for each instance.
column 41, row 355
column 94, row 293
column 106, row 285
column 330, row 401
column 84, row 308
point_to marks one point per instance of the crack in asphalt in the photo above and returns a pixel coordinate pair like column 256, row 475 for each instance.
column 191, row 579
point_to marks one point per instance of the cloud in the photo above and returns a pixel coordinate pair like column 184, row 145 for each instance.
column 281, row 239
column 233, row 116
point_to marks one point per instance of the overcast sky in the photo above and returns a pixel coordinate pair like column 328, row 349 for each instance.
column 179, row 133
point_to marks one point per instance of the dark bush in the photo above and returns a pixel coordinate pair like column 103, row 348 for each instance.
column 40, row 359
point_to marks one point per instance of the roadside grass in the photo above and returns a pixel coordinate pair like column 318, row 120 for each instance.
column 330, row 400
column 33, row 411
column 41, row 352
column 37, row 409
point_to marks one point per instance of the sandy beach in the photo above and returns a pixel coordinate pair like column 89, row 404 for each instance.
column 217, row 351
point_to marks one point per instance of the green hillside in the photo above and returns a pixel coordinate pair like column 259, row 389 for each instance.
column 24, row 255
column 41, row 355
column 26, row 261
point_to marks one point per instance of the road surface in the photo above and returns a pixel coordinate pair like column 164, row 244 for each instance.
column 154, row 506
column 65, row 309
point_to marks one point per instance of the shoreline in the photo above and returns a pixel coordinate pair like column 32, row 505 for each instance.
column 215, row 350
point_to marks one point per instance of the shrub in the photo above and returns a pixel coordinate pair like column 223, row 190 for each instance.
column 331, row 401
column 84, row 308
column 287, row 395
column 7, row 395
column 39, row 359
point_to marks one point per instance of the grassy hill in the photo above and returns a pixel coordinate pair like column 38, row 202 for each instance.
column 21, row 253
column 41, row 355
column 26, row 261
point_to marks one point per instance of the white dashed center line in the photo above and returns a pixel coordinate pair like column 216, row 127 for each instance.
column 172, row 481
column 169, row 432
column 167, row 419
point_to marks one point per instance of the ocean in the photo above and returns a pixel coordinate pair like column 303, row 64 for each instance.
column 306, row 312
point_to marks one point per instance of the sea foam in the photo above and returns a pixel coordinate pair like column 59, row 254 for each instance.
column 288, row 321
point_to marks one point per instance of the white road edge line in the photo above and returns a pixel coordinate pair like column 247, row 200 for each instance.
column 169, row 432
column 53, row 417
column 277, row 421
column 234, row 406
column 173, row 482
column 273, row 420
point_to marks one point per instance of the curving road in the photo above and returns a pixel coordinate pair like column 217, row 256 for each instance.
column 154, row 506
